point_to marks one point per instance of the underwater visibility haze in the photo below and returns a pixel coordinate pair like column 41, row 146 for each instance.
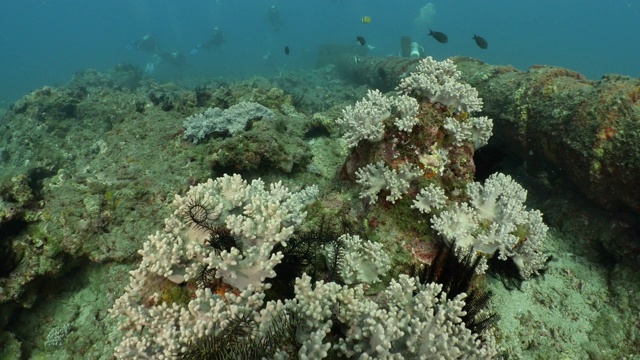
column 45, row 42
column 321, row 179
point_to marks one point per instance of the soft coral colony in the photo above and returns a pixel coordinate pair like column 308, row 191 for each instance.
column 226, row 238
column 425, row 151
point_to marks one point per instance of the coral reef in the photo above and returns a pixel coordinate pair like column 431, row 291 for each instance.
column 494, row 220
column 551, row 116
column 411, row 319
column 92, row 163
column 415, row 135
column 89, row 169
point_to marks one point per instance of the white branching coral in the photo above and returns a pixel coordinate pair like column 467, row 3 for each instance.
column 363, row 261
column 256, row 216
column 313, row 305
column 496, row 220
column 529, row 257
column 477, row 130
column 407, row 109
column 457, row 224
column 365, row 119
column 430, row 197
column 439, row 81
column 162, row 331
column 377, row 177
column 409, row 320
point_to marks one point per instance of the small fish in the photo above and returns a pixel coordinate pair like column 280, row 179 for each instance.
column 361, row 40
column 356, row 60
column 480, row 41
column 286, row 50
column 366, row 19
column 440, row 37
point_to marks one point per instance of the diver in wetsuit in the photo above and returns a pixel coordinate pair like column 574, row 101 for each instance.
column 215, row 40
column 274, row 18
column 147, row 43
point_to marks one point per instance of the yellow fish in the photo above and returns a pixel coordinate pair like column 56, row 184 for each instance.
column 366, row 19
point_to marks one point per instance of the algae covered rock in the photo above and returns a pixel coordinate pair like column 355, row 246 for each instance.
column 261, row 148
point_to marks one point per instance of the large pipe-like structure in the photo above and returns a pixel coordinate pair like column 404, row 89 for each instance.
column 590, row 130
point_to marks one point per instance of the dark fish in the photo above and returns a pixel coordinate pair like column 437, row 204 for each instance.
column 361, row 40
column 480, row 41
column 286, row 50
column 441, row 37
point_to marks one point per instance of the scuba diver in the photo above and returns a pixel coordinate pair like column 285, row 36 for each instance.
column 417, row 51
column 410, row 48
column 274, row 18
column 215, row 40
column 147, row 43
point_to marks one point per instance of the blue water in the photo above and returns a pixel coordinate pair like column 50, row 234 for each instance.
column 45, row 42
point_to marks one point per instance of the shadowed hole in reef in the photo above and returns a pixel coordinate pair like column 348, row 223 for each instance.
column 494, row 157
column 9, row 257
column 317, row 131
